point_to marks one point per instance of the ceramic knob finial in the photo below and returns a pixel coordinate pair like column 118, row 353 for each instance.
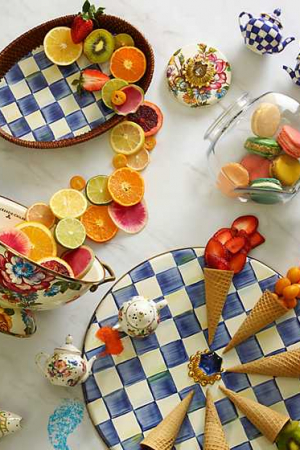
column 69, row 339
column 277, row 12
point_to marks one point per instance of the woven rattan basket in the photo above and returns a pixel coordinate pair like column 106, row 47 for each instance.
column 33, row 39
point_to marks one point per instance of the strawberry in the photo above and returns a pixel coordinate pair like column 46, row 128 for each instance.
column 83, row 24
column 223, row 235
column 238, row 261
column 90, row 80
column 235, row 244
column 243, row 234
column 248, row 224
column 256, row 239
column 215, row 248
column 216, row 262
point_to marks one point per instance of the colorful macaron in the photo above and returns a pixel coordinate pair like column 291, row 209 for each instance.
column 256, row 166
column 268, row 148
column 265, row 120
column 232, row 176
column 267, row 190
column 286, row 169
column 289, row 139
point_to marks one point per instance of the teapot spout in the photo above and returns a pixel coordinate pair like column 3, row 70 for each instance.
column 89, row 367
column 160, row 305
column 283, row 44
column 290, row 71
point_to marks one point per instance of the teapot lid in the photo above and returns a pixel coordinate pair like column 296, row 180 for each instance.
column 274, row 17
column 68, row 347
column 139, row 313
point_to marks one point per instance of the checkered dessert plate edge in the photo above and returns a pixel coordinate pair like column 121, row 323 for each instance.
column 39, row 106
column 129, row 394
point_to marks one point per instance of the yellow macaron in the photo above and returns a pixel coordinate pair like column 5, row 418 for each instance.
column 286, row 169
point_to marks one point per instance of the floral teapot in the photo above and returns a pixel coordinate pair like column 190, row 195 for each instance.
column 9, row 423
column 294, row 73
column 262, row 35
column 65, row 367
column 139, row 317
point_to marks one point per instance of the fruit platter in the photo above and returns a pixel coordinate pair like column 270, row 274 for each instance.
column 57, row 80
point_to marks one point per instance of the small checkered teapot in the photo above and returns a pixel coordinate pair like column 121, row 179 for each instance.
column 139, row 317
column 263, row 35
column 294, row 73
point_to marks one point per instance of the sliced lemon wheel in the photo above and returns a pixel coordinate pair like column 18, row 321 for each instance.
column 70, row 233
column 68, row 203
column 60, row 48
column 97, row 191
column 127, row 138
column 42, row 241
column 111, row 86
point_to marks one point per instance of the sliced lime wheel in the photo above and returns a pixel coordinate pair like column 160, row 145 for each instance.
column 97, row 191
column 111, row 86
column 70, row 233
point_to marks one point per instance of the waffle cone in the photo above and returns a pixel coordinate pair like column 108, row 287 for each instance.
column 217, row 284
column 265, row 419
column 164, row 435
column 286, row 364
column 214, row 436
column 266, row 310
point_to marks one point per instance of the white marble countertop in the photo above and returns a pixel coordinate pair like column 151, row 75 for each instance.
column 184, row 206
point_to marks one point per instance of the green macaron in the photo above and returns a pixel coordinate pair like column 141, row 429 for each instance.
column 266, row 191
column 267, row 148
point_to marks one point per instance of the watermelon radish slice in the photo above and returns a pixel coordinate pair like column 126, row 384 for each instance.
column 16, row 239
column 131, row 219
column 57, row 265
column 81, row 260
column 134, row 99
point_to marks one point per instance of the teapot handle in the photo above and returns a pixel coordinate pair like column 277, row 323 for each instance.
column 107, row 279
column 39, row 363
column 243, row 27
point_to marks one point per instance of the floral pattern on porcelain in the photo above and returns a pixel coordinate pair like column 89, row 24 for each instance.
column 198, row 75
column 65, row 369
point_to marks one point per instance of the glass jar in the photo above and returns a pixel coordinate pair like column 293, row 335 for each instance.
column 227, row 136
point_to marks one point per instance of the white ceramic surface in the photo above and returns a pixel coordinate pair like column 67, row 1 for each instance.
column 184, row 207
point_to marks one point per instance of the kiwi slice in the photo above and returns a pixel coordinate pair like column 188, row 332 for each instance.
column 99, row 46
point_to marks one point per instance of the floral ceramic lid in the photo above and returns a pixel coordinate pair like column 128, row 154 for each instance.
column 198, row 75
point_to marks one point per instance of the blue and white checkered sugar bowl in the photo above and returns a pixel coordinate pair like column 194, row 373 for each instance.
column 262, row 35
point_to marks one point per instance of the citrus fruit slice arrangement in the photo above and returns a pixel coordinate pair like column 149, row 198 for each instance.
column 97, row 191
column 98, row 224
column 42, row 242
column 126, row 187
column 68, row 203
column 70, row 233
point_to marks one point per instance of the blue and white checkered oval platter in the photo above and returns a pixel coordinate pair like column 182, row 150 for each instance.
column 129, row 394
column 39, row 103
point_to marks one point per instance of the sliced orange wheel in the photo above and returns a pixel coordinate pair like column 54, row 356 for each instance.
column 42, row 241
column 119, row 161
column 126, row 186
column 40, row 212
column 150, row 143
column 78, row 183
column 98, row 225
column 128, row 63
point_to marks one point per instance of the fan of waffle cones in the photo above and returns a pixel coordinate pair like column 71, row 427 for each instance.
column 276, row 427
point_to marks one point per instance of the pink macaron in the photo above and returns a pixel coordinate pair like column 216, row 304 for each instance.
column 289, row 140
column 257, row 166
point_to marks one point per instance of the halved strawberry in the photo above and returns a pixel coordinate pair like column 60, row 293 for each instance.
column 223, row 235
column 90, row 80
column 235, row 244
column 248, row 224
column 215, row 262
column 238, row 261
column 243, row 234
column 215, row 248
column 256, row 239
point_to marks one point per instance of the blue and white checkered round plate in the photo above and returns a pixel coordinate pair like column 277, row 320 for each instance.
column 128, row 395
column 39, row 103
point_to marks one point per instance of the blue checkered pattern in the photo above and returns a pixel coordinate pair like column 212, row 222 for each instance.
column 128, row 395
column 262, row 35
column 39, row 103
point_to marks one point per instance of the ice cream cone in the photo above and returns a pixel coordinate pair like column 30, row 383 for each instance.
column 286, row 364
column 217, row 284
column 265, row 419
column 266, row 310
column 214, row 436
column 164, row 435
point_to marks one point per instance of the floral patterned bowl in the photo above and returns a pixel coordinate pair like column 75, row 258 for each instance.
column 26, row 286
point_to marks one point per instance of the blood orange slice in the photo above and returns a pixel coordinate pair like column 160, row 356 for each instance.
column 57, row 265
column 128, row 63
column 149, row 117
